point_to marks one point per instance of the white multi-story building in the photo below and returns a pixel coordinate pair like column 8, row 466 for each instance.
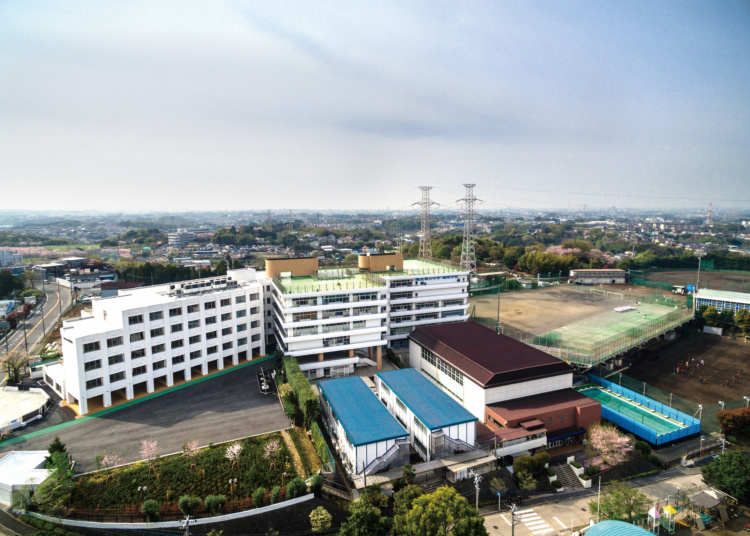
column 154, row 337
column 8, row 258
column 181, row 238
column 333, row 313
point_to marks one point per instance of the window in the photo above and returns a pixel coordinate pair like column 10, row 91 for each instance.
column 192, row 324
column 114, row 341
column 428, row 305
column 253, row 325
column 341, row 298
column 114, row 359
column 301, row 317
column 561, row 418
column 116, row 377
column 359, row 324
column 226, row 316
column 239, row 299
column 400, row 404
column 401, row 295
column 177, row 311
column 194, row 339
column 340, row 326
column 157, row 348
column 367, row 296
column 226, row 302
column 135, row 354
column 255, row 338
column 211, row 335
column 301, row 302
column 226, row 331
column 92, row 365
column 156, row 315
column 242, row 341
column 178, row 344
column 449, row 303
column 366, row 311
column 93, row 384
column 447, row 314
column 226, row 345
column 176, row 328
column 178, row 359
column 209, row 305
column 210, row 320
column 196, row 354
column 136, row 319
column 160, row 364
column 254, row 297
column 135, row 337
column 91, row 347
column 193, row 308
column 335, row 341
column 212, row 350
column 335, row 313
column 242, row 313
column 419, row 425
column 385, row 388
column 253, row 311
column 137, row 371
column 157, row 332
column 241, row 327
column 549, row 421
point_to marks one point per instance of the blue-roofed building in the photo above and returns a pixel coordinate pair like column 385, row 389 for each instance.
column 366, row 436
column 438, row 426
column 616, row 528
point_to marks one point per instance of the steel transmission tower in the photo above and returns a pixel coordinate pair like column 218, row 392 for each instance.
column 468, row 253
column 425, row 245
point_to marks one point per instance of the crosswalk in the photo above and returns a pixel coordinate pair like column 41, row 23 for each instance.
column 533, row 522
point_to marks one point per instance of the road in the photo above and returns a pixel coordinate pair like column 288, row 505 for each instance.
column 217, row 409
column 50, row 314
column 556, row 517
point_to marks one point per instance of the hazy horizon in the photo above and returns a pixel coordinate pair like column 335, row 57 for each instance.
column 238, row 106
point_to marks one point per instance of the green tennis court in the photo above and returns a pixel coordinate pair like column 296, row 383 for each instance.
column 657, row 422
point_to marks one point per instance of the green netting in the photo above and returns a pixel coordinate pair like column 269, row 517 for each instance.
column 652, row 284
column 659, row 424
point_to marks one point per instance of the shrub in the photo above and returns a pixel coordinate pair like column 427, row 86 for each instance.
column 575, row 464
column 653, row 458
column 584, row 476
column 150, row 509
column 275, row 494
column 307, row 400
column 189, row 505
column 643, row 448
column 550, row 472
column 556, row 484
column 215, row 503
column 296, row 488
column 523, row 464
column 591, row 470
column 316, row 484
column 540, row 460
column 259, row 497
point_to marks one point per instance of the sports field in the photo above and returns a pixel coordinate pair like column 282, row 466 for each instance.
column 581, row 321
column 713, row 279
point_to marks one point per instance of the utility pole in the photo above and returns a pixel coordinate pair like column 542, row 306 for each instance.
column 425, row 241
column 513, row 520
column 598, row 499
column 698, row 280
column 468, row 253
column 186, row 525
column 477, row 481
column 44, row 297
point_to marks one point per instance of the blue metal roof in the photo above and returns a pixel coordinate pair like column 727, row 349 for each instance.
column 364, row 418
column 431, row 405
column 616, row 528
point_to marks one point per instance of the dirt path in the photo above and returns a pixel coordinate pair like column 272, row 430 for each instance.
column 295, row 455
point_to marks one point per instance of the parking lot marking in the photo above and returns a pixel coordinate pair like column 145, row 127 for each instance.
column 561, row 523
column 504, row 519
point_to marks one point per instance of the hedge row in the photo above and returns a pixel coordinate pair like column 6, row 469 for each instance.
column 306, row 399
column 319, row 443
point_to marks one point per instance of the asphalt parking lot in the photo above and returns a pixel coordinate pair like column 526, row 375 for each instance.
column 218, row 409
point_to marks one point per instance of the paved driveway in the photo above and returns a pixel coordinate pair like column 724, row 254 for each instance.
column 218, row 409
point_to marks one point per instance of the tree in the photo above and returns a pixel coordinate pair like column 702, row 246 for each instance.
column 215, row 503
column 53, row 495
column 13, row 366
column 408, row 474
column 31, row 277
column 611, row 445
column 620, row 501
column 365, row 520
column 296, row 488
column 402, row 503
column 320, row 519
column 190, row 449
column 56, row 446
column 149, row 450
column 526, row 481
column 372, row 495
column 711, row 316
column 9, row 283
column 151, row 508
column 189, row 505
column 730, row 472
column 742, row 320
column 259, row 497
column 734, row 421
column 233, row 453
column 352, row 258
column 110, row 460
column 443, row 512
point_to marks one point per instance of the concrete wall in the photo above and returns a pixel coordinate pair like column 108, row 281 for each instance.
column 299, row 267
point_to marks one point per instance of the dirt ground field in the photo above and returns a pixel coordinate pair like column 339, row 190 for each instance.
column 541, row 310
column 732, row 281
column 724, row 358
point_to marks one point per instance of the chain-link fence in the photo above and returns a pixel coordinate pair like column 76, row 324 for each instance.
column 706, row 412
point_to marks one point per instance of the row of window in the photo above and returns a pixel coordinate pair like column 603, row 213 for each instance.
column 442, row 366
column 194, row 308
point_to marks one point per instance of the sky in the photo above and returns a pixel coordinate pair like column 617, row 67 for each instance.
column 161, row 105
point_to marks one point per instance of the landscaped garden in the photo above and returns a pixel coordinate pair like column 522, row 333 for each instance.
column 235, row 470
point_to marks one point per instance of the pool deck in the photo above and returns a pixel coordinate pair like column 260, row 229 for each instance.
column 627, row 400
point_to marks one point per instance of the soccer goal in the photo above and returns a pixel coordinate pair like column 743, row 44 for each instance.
column 599, row 292
column 615, row 294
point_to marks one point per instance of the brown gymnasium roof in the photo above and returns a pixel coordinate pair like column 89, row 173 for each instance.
column 486, row 357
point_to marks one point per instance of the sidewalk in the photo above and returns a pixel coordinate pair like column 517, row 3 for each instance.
column 11, row 526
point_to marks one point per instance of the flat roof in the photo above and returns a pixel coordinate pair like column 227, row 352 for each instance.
column 431, row 405
column 616, row 528
column 20, row 466
column 487, row 357
column 363, row 416
column 724, row 295
column 532, row 406
column 328, row 281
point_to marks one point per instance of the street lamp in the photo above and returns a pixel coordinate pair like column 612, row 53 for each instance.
column 677, row 503
column 232, row 484
column 747, row 400
column 722, row 405
column 702, row 439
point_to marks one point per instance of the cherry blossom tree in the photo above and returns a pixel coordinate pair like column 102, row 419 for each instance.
column 189, row 450
column 611, row 445
column 271, row 448
column 111, row 460
column 233, row 453
column 149, row 450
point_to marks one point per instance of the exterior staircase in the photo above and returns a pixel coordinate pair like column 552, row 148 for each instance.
column 566, row 476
